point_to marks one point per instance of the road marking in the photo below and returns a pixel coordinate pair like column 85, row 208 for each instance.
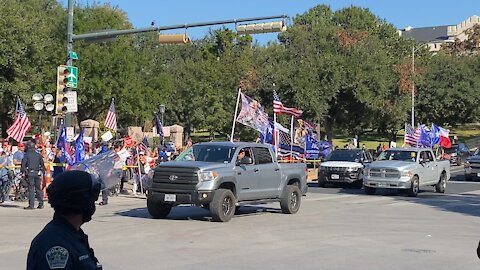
column 463, row 182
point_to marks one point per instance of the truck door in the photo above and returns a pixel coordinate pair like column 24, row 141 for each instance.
column 427, row 173
column 434, row 169
column 247, row 177
column 269, row 173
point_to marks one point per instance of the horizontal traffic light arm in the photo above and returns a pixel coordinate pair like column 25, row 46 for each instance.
column 115, row 33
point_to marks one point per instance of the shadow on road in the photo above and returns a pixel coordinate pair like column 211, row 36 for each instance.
column 184, row 212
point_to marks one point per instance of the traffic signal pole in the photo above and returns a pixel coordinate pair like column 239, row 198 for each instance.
column 114, row 33
column 68, row 115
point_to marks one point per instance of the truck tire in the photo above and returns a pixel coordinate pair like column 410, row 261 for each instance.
column 414, row 187
column 442, row 183
column 157, row 209
column 321, row 183
column 291, row 200
column 357, row 184
column 370, row 190
column 222, row 206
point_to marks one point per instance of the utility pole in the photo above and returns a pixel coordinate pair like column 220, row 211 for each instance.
column 71, row 3
column 413, row 86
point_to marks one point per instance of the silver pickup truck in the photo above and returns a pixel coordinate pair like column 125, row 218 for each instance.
column 406, row 169
column 220, row 176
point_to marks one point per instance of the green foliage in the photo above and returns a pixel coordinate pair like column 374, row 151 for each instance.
column 347, row 69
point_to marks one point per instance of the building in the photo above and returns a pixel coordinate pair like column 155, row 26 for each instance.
column 435, row 36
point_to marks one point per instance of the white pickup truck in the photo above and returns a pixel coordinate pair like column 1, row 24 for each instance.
column 406, row 169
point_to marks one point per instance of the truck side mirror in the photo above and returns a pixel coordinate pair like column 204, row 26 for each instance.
column 245, row 161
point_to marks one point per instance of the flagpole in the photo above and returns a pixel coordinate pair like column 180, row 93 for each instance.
column 275, row 139
column 291, row 139
column 235, row 115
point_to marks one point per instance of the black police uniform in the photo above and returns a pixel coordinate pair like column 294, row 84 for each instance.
column 60, row 246
column 32, row 164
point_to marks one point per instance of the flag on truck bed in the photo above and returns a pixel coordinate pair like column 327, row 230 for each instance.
column 252, row 114
column 278, row 107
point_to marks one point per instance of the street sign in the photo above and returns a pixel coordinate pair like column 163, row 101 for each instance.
column 72, row 55
column 71, row 103
column 72, row 76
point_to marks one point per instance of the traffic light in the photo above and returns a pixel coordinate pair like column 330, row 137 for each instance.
column 173, row 39
column 66, row 83
column 258, row 28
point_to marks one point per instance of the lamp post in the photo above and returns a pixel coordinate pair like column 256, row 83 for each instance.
column 41, row 102
column 161, row 110
column 413, row 86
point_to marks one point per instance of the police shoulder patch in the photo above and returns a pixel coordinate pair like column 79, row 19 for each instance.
column 57, row 257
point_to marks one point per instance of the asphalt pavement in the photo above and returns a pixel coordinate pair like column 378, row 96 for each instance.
column 336, row 228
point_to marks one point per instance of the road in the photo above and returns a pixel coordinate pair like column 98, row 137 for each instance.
column 335, row 229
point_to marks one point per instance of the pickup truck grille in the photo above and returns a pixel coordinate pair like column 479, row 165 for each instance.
column 175, row 179
column 475, row 165
column 384, row 173
column 335, row 169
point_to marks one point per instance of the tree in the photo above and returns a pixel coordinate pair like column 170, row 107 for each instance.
column 31, row 44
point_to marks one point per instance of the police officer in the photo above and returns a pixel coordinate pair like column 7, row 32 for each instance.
column 33, row 167
column 62, row 244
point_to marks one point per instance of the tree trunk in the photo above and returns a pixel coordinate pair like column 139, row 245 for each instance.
column 329, row 127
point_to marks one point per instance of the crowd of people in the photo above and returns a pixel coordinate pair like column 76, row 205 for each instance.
column 25, row 164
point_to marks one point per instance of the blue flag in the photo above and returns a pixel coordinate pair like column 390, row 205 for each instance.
column 80, row 148
column 63, row 145
column 425, row 137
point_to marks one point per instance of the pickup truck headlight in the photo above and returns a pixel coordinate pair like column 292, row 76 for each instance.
column 207, row 176
column 366, row 171
column 407, row 174
column 352, row 169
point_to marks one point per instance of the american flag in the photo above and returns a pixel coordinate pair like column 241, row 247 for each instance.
column 142, row 147
column 278, row 107
column 309, row 125
column 21, row 125
column 412, row 137
column 111, row 120
column 285, row 147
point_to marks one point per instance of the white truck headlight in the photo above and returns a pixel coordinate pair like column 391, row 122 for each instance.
column 353, row 169
column 207, row 176
column 407, row 173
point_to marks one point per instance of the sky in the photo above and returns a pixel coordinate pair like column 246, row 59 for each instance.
column 401, row 13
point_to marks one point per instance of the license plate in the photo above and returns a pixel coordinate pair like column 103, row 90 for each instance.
column 335, row 176
column 170, row 197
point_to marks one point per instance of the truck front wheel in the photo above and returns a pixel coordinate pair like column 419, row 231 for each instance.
column 442, row 184
column 414, row 187
column 222, row 206
column 290, row 202
column 158, row 209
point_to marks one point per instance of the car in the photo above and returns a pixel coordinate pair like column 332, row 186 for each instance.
column 344, row 166
column 472, row 166
column 458, row 153
column 222, row 176
column 406, row 169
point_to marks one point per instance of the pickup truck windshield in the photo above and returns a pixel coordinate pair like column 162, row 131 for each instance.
column 208, row 153
column 344, row 155
column 410, row 156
